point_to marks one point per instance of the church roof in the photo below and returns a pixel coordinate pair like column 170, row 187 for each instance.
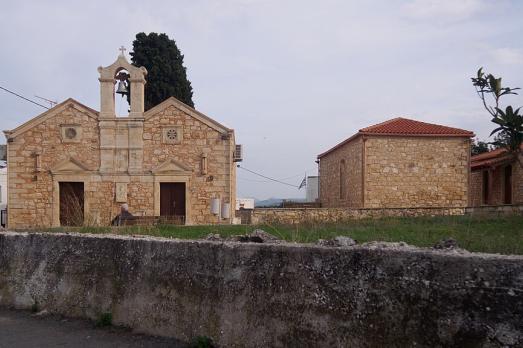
column 50, row 113
column 172, row 101
column 400, row 126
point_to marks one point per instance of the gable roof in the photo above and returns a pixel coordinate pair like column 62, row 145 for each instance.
column 400, row 126
column 50, row 113
column 405, row 126
column 172, row 101
column 491, row 158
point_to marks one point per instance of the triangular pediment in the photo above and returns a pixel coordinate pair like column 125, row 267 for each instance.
column 172, row 101
column 69, row 165
column 69, row 103
column 172, row 166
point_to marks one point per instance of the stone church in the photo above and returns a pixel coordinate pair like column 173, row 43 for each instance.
column 73, row 165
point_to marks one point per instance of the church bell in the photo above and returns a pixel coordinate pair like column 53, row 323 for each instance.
column 122, row 88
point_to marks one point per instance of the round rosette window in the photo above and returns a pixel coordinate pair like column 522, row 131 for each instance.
column 70, row 133
column 172, row 134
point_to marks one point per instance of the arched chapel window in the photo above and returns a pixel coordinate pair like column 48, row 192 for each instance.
column 343, row 179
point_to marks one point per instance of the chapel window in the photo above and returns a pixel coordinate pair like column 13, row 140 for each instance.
column 343, row 180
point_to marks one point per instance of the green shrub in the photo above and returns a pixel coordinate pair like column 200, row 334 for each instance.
column 201, row 342
column 104, row 320
column 35, row 308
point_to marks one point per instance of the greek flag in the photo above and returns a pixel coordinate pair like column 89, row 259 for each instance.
column 303, row 183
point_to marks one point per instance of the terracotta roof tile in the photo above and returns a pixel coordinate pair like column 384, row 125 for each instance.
column 494, row 157
column 405, row 126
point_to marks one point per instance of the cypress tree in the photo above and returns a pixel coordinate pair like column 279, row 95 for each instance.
column 166, row 75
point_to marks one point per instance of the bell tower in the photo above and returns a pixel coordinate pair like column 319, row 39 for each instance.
column 121, row 69
column 121, row 139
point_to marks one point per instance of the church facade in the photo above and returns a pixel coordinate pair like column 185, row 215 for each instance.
column 73, row 165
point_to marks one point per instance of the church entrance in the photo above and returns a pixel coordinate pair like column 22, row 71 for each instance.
column 71, row 203
column 172, row 201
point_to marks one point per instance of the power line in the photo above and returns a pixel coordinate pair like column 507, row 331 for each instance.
column 266, row 177
column 19, row 96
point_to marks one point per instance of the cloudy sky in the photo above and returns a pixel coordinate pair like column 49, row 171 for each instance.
column 293, row 78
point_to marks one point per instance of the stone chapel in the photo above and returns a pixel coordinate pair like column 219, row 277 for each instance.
column 73, row 165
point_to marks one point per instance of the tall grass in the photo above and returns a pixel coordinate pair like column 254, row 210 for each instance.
column 474, row 233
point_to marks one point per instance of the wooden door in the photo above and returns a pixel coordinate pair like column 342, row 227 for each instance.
column 507, row 199
column 71, row 203
column 172, row 199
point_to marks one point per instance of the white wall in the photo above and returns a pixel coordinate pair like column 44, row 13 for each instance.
column 245, row 203
column 3, row 187
column 312, row 189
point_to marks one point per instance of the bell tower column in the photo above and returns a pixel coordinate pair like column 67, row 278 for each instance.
column 121, row 139
column 137, row 96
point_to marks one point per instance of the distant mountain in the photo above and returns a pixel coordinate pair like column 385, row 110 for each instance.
column 274, row 202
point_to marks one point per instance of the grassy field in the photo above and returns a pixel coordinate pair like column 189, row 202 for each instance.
column 475, row 233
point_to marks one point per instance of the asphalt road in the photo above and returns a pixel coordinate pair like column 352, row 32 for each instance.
column 20, row 329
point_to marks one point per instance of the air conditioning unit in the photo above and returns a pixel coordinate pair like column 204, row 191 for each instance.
column 238, row 154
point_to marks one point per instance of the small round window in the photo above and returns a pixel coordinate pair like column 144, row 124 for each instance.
column 172, row 134
column 70, row 133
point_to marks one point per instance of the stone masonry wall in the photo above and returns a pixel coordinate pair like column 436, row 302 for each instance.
column 517, row 182
column 33, row 197
column 476, row 188
column 270, row 295
column 30, row 192
column 416, row 172
column 197, row 139
column 330, row 176
column 289, row 216
column 498, row 186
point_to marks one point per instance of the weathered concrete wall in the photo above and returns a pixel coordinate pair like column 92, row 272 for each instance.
column 263, row 295
column 416, row 172
column 306, row 215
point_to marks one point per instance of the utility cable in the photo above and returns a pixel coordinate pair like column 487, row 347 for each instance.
column 266, row 177
column 27, row 99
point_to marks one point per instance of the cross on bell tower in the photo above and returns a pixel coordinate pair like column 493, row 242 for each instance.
column 108, row 77
column 122, row 51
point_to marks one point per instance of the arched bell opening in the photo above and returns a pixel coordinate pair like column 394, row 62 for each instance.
column 121, row 89
column 122, row 93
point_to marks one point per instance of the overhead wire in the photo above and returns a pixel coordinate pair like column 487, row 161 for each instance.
column 21, row 96
column 266, row 177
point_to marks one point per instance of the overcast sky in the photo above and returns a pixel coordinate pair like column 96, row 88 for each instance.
column 293, row 78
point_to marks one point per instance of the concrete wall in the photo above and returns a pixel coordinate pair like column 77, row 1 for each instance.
column 262, row 295
column 306, row 215
column 416, row 172
column 329, row 171
column 312, row 189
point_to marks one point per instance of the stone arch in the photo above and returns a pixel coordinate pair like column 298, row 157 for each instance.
column 108, row 80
